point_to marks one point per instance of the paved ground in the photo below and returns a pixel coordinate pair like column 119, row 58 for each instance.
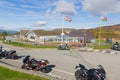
column 66, row 60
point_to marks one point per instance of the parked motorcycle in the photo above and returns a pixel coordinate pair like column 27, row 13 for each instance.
column 90, row 74
column 36, row 65
column 63, row 47
column 7, row 54
column 31, row 65
column 11, row 54
column 116, row 46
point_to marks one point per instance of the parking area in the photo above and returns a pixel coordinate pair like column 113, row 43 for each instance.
column 64, row 61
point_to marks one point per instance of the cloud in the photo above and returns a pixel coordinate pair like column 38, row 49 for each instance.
column 29, row 6
column 41, row 4
column 51, row 15
column 39, row 24
column 2, row 27
column 6, row 4
column 42, row 22
column 48, row 12
column 65, row 7
column 101, row 7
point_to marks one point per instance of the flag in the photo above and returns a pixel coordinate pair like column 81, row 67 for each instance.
column 103, row 18
column 67, row 18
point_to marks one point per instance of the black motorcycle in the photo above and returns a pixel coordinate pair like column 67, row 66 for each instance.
column 116, row 46
column 63, row 47
column 90, row 74
column 3, row 53
column 7, row 54
column 12, row 54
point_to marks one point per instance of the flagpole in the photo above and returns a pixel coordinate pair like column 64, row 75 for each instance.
column 62, row 29
column 100, row 29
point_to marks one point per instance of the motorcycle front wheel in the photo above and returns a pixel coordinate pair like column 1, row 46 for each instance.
column 45, row 70
column 78, row 75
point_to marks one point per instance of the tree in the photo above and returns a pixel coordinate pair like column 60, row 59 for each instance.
column 4, row 34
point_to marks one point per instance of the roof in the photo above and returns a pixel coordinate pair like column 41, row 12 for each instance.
column 47, row 33
column 23, row 32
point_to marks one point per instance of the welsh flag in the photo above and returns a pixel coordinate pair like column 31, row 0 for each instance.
column 103, row 18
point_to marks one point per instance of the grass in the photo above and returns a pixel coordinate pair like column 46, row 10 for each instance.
column 1, row 39
column 51, row 45
column 103, row 45
column 7, row 74
column 18, row 44
column 106, row 46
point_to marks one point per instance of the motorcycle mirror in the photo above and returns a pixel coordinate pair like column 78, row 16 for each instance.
column 76, row 67
column 100, row 66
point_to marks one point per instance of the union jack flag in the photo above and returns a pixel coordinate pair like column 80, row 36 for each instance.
column 67, row 18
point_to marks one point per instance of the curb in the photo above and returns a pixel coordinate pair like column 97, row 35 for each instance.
column 96, row 50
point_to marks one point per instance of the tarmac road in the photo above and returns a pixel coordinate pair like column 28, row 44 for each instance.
column 64, row 61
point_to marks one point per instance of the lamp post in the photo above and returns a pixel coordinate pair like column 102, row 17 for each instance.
column 85, row 39
column 62, row 34
column 85, row 35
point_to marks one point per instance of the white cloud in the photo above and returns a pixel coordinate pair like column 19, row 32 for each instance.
column 5, row 3
column 65, row 7
column 51, row 15
column 39, row 24
column 42, row 22
column 101, row 7
column 48, row 12
column 29, row 6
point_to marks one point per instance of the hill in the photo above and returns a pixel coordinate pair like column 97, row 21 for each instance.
column 8, row 31
column 56, row 31
column 112, row 31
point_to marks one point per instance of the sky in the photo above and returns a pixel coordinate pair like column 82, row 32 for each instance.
column 49, row 14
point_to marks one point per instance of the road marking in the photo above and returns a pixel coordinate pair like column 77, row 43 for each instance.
column 63, row 71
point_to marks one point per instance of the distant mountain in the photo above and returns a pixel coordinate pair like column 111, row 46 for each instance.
column 8, row 31
column 111, row 27
column 67, row 30
column 112, row 31
column 56, row 31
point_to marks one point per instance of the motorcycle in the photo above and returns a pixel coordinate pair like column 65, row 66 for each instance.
column 63, row 47
column 43, row 65
column 7, row 54
column 90, row 74
column 36, row 65
column 11, row 55
column 115, row 46
column 31, row 65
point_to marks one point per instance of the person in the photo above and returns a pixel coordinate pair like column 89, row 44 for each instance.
column 26, row 59
column 27, row 62
column 34, row 64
